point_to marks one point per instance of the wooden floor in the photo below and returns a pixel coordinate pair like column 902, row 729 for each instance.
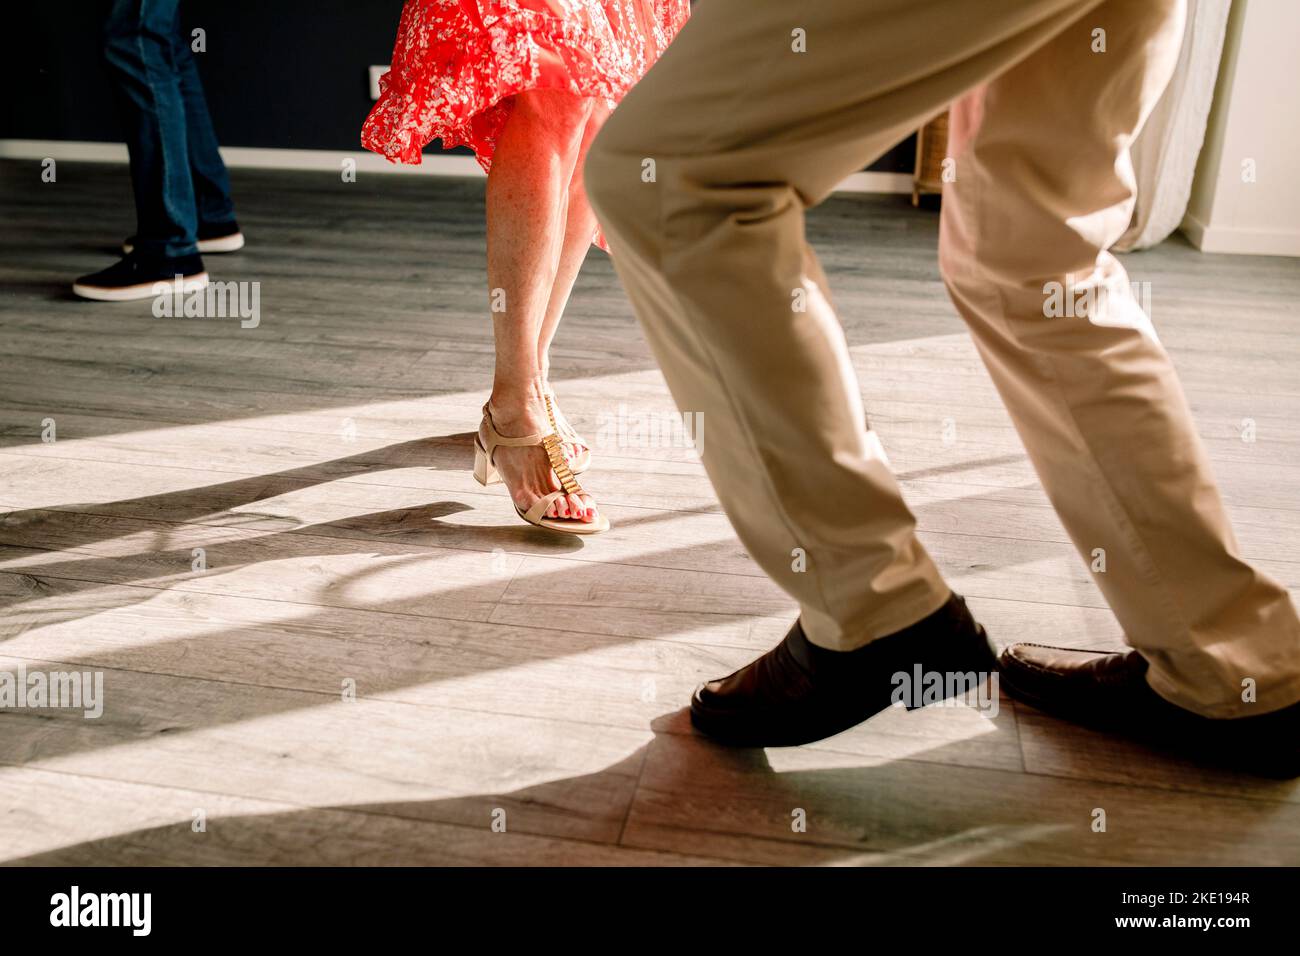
column 321, row 462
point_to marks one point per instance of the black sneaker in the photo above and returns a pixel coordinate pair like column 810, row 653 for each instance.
column 213, row 237
column 136, row 277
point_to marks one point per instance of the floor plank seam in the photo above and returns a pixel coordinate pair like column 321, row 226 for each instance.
column 252, row 534
column 726, row 615
column 375, row 610
column 636, row 788
column 338, row 808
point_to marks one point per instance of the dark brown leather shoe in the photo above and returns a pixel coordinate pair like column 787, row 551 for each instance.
column 1108, row 691
column 797, row 692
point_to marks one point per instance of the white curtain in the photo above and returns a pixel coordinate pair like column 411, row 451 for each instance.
column 1165, row 152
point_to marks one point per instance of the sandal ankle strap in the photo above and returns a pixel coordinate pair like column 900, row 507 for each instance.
column 493, row 438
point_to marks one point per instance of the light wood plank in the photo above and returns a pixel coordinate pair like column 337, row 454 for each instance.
column 57, row 819
column 741, row 805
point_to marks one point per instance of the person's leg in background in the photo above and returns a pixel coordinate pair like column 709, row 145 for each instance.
column 739, row 132
column 139, row 51
column 1044, row 186
column 216, row 228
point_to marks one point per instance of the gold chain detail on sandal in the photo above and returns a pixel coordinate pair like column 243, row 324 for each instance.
column 567, row 434
column 550, row 413
column 555, row 452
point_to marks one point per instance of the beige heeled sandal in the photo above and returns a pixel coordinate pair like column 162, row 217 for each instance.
column 485, row 473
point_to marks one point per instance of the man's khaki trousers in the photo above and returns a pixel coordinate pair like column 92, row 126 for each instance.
column 757, row 110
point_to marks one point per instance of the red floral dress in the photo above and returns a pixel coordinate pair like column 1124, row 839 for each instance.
column 457, row 62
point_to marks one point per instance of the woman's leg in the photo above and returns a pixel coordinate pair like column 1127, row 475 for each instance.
column 579, row 229
column 527, row 205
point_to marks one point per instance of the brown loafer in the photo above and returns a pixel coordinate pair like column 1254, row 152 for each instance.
column 797, row 692
column 1108, row 691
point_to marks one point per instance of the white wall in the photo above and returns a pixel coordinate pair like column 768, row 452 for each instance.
column 1256, row 116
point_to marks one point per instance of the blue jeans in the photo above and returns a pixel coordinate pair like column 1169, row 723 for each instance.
column 176, row 170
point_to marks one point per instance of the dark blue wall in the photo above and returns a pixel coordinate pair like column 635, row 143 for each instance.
column 281, row 73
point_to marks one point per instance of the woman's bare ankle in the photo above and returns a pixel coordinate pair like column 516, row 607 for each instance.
column 516, row 407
